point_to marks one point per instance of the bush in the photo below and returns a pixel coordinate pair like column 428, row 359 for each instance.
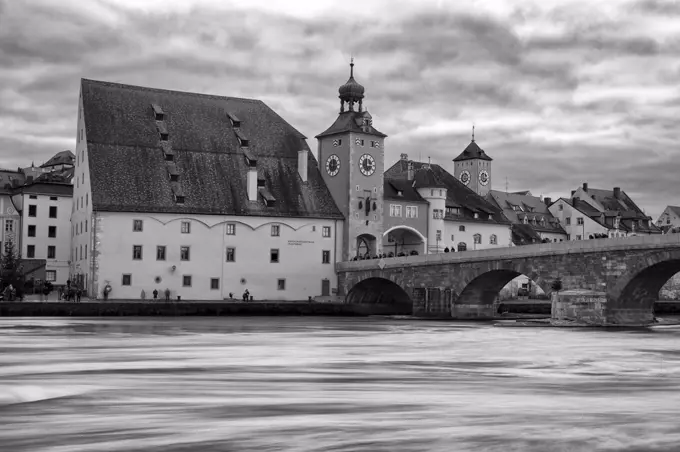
column 556, row 285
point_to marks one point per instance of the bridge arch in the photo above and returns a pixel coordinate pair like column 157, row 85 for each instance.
column 407, row 237
column 639, row 287
column 377, row 290
column 484, row 288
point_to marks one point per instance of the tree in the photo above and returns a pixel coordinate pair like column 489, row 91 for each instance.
column 11, row 267
column 556, row 285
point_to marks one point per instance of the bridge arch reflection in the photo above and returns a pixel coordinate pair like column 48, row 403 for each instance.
column 380, row 291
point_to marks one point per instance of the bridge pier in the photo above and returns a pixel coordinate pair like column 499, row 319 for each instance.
column 595, row 308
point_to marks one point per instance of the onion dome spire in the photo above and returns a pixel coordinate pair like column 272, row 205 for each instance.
column 351, row 92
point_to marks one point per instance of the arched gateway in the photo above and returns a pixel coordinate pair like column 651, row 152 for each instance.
column 628, row 275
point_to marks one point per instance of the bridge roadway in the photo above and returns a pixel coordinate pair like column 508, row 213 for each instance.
column 625, row 275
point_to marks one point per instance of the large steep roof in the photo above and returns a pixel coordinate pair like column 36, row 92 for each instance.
column 472, row 152
column 128, row 170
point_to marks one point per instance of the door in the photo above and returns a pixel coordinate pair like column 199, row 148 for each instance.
column 325, row 287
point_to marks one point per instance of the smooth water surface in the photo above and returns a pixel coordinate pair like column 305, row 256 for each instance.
column 332, row 385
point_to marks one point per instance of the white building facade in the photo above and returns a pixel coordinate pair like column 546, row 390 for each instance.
column 238, row 205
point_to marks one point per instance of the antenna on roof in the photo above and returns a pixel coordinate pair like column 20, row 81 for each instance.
column 473, row 132
column 429, row 162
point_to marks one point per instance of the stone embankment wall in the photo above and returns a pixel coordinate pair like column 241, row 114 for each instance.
column 115, row 309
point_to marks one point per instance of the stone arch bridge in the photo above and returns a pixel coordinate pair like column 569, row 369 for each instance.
column 628, row 273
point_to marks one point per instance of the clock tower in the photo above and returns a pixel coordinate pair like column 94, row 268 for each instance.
column 352, row 159
column 473, row 168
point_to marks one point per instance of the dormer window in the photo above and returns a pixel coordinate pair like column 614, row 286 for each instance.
column 400, row 193
column 476, row 215
column 164, row 136
column 174, row 177
column 243, row 141
column 169, row 157
column 490, row 217
column 235, row 122
column 158, row 112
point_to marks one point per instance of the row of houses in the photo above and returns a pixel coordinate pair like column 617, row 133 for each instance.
column 207, row 196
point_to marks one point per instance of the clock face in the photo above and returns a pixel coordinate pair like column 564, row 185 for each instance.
column 465, row 177
column 483, row 177
column 333, row 165
column 367, row 164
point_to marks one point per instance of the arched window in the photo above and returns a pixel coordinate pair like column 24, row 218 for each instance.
column 493, row 240
column 477, row 238
column 461, row 228
column 462, row 246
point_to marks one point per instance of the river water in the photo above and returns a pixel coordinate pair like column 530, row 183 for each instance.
column 333, row 385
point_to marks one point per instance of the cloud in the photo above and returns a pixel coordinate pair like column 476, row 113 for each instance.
column 561, row 93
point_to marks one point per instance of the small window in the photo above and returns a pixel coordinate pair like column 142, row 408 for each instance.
column 358, row 188
column 137, row 225
column 127, row 280
column 326, row 231
column 52, row 232
column 53, row 198
column 32, row 197
column 179, row 199
column 30, row 251
column 477, row 238
column 275, row 230
column 579, row 221
column 231, row 229
column 186, row 281
column 169, row 157
column 462, row 246
column 493, row 240
column 53, row 211
column 561, row 207
column 85, row 225
column 31, row 230
column 137, row 252
column 160, row 253
column 85, row 257
column 51, row 252
column 274, row 256
column 186, row 227
column 32, row 210
column 51, row 275
column 214, row 283
column 174, row 178
column 325, row 257
column 461, row 228
column 231, row 254
column 164, row 136
column 184, row 253
column 568, row 220
column 281, row 284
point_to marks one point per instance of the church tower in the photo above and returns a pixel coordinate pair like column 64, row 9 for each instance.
column 473, row 168
column 352, row 159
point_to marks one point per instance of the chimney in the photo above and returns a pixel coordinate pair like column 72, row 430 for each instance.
column 617, row 192
column 585, row 186
column 404, row 156
column 252, row 183
column 547, row 201
column 302, row 164
column 410, row 171
column 572, row 193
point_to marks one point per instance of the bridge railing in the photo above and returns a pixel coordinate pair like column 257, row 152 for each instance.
column 573, row 246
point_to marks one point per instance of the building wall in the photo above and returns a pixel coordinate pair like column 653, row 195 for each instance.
column 83, row 246
column 453, row 235
column 436, row 197
column 350, row 186
column 475, row 167
column 562, row 210
column 668, row 218
column 10, row 223
column 300, row 246
column 62, row 242
column 419, row 224
column 553, row 236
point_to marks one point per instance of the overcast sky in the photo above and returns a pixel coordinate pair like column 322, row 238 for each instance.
column 560, row 92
